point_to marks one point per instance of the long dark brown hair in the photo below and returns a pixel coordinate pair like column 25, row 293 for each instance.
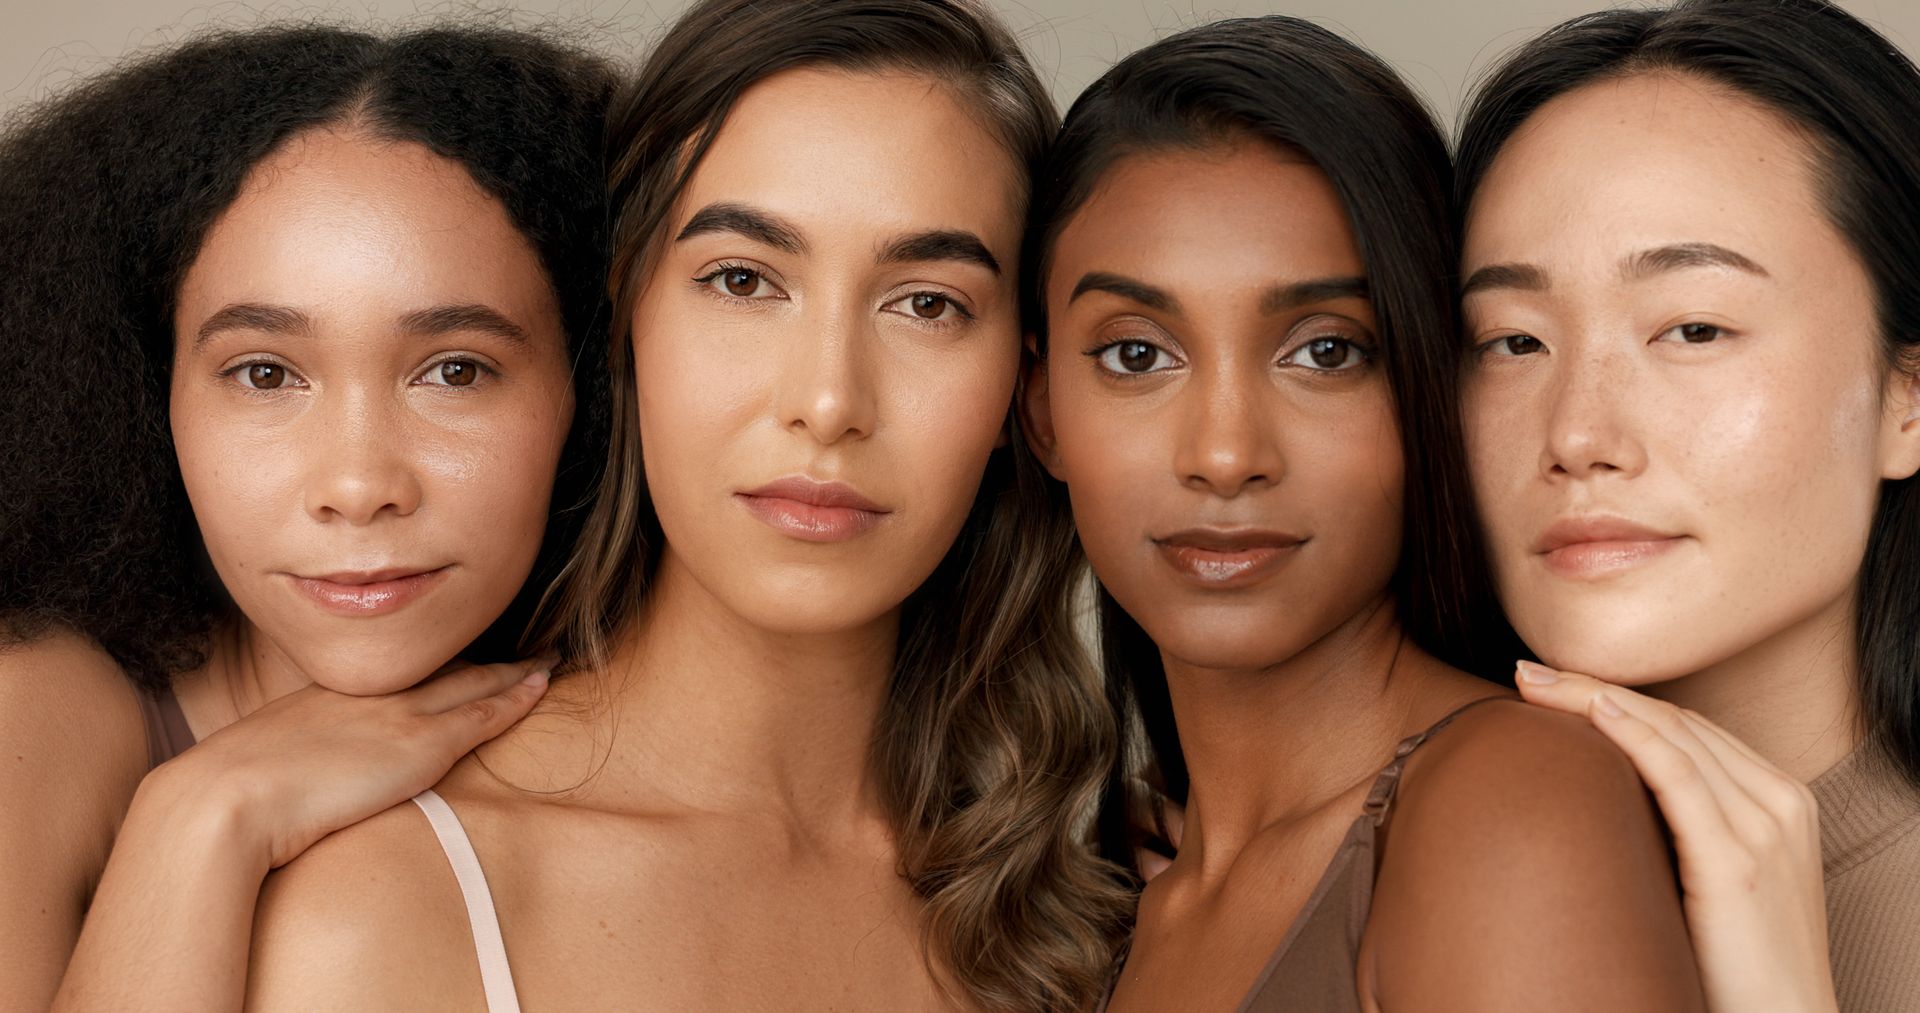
column 994, row 738
column 1296, row 85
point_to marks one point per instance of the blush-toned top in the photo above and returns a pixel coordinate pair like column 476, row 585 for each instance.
column 167, row 733
column 1870, row 847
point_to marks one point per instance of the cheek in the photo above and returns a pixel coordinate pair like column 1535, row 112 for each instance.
column 1502, row 426
column 241, row 479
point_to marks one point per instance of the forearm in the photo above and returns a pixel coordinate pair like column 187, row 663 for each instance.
column 170, row 926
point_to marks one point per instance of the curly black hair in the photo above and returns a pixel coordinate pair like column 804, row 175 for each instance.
column 106, row 193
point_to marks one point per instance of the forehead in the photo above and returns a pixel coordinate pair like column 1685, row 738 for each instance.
column 337, row 217
column 850, row 154
column 1205, row 215
column 1646, row 160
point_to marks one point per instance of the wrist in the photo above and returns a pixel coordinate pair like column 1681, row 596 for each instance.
column 204, row 819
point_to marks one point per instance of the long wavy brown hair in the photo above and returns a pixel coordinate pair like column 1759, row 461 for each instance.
column 995, row 735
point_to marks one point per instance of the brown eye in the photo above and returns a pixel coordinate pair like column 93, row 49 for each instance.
column 740, row 282
column 1698, row 334
column 457, row 373
column 265, row 376
column 929, row 306
column 1329, row 353
column 1132, row 357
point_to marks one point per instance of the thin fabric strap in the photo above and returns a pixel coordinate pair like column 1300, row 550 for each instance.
column 1380, row 797
column 496, row 979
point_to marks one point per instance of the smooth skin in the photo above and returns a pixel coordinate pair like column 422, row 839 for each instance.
column 698, row 826
column 1210, row 367
column 1668, row 330
column 369, row 374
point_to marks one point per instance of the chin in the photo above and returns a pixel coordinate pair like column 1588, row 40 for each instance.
column 368, row 667
column 1616, row 649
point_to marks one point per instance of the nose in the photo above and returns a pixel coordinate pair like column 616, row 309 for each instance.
column 826, row 389
column 1589, row 431
column 1230, row 446
column 359, row 464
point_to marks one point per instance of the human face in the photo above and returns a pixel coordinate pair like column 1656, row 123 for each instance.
column 1212, row 399
column 1677, row 409
column 826, row 346
column 370, row 391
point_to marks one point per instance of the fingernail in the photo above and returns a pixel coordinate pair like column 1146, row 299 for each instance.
column 1538, row 675
column 1605, row 705
column 537, row 678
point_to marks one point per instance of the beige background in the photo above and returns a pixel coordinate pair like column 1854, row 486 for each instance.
column 1440, row 45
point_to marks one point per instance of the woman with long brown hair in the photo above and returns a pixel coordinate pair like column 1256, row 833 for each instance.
column 833, row 740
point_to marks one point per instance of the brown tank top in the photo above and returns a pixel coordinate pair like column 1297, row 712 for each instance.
column 167, row 733
column 1312, row 970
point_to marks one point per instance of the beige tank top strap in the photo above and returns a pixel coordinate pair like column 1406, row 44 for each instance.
column 1387, row 785
column 496, row 978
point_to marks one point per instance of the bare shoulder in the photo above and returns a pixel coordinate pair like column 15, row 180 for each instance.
column 370, row 917
column 73, row 749
column 1524, row 867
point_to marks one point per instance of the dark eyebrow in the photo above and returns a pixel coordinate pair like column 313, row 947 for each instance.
column 1126, row 288
column 939, row 244
column 1525, row 277
column 740, row 219
column 1305, row 293
column 253, row 317
column 1683, row 255
column 470, row 317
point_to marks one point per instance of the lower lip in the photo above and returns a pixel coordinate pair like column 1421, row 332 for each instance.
column 379, row 598
column 1593, row 560
column 809, row 522
column 1227, row 569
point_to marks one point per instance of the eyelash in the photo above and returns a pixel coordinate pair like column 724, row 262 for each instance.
column 233, row 372
column 1365, row 356
column 963, row 315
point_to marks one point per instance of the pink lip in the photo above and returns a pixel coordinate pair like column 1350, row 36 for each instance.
column 369, row 592
column 1225, row 559
column 812, row 511
column 1589, row 548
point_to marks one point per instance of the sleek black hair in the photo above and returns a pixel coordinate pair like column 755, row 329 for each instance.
column 106, row 193
column 1290, row 83
column 1857, row 97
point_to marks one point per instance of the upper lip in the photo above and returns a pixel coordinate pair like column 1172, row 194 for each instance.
column 354, row 577
column 1581, row 530
column 813, row 492
column 1230, row 539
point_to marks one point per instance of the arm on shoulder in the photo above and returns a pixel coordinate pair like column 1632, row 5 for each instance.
column 73, row 749
column 368, row 918
column 1524, row 868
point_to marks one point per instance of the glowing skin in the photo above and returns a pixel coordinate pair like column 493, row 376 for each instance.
column 810, row 365
column 1272, row 533
column 370, row 393
column 1678, row 410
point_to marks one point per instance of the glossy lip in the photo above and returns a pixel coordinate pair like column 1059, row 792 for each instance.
column 359, row 593
column 811, row 510
column 1593, row 547
column 1227, row 558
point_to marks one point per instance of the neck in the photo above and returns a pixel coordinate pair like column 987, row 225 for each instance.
column 1790, row 697
column 244, row 672
column 1269, row 744
column 714, row 712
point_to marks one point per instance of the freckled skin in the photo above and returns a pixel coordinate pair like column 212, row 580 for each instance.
column 362, row 457
column 1764, row 447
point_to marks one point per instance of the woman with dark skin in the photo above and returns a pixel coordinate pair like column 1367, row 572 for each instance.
column 337, row 307
column 1690, row 292
column 1245, row 302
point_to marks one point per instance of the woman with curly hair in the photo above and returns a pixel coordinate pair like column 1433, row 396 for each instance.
column 835, row 745
column 353, row 284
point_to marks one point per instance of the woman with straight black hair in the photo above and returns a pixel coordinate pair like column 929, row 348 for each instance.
column 1241, row 283
column 1692, row 296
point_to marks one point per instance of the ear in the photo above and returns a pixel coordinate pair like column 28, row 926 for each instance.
column 1036, row 411
column 1900, row 426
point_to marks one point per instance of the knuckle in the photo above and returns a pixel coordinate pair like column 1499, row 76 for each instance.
column 480, row 712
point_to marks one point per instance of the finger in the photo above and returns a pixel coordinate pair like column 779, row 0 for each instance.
column 1780, row 794
column 1687, row 799
column 469, row 724
column 472, row 682
column 1151, row 863
column 1570, row 692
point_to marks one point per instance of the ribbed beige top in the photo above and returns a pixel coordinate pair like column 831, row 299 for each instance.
column 1870, row 843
